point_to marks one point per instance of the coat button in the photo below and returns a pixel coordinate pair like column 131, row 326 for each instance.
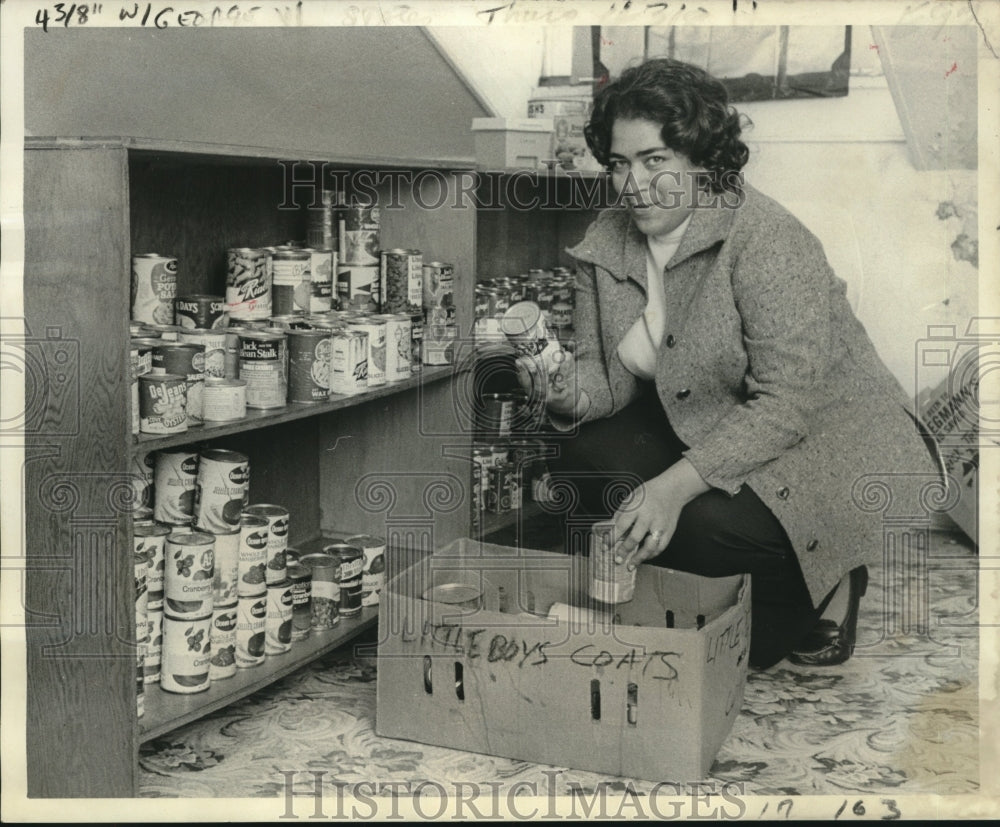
column 812, row 545
column 683, row 394
column 671, row 341
column 783, row 492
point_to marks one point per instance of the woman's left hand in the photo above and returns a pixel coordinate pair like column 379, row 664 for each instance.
column 647, row 519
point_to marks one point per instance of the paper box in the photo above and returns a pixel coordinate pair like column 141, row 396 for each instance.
column 496, row 674
column 512, row 143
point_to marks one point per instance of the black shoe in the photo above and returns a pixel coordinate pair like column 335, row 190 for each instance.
column 830, row 643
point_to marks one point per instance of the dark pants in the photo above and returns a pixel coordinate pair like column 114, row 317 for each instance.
column 717, row 535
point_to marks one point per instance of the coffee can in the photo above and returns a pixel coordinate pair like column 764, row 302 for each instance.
column 140, row 564
column 186, row 653
column 163, row 404
column 251, row 621
column 189, row 575
column 278, row 628
column 248, row 283
column 221, row 489
column 309, row 365
column 200, row 311
column 154, row 287
column 251, row 579
column 176, row 477
column 277, row 538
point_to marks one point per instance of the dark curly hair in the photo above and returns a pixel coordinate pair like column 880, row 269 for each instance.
column 693, row 109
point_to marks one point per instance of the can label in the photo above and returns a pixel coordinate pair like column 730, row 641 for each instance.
column 162, row 404
column 248, row 284
column 224, row 400
column 189, row 575
column 278, row 629
column 154, row 287
column 187, row 651
column 402, row 281
column 263, row 366
column 251, row 577
column 185, row 360
column 373, row 567
column 439, row 344
column 214, row 342
column 349, row 362
column 143, row 465
column 359, row 234
column 149, row 541
column 376, row 349
column 176, row 477
column 322, row 266
column 416, row 341
column 309, row 366
column 351, row 566
column 277, row 539
column 301, row 580
column 221, row 490
column 251, row 620
column 610, row 582
column 154, row 646
column 227, row 565
column 398, row 347
column 223, row 661
column 358, row 287
column 200, row 312
column 439, row 292
column 141, row 565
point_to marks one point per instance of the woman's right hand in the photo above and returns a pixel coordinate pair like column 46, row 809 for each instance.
column 552, row 375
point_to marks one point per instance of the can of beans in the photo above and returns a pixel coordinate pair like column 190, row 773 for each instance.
column 143, row 471
column 188, row 361
column 402, row 281
column 357, row 287
column 154, row 645
column 322, row 266
column 278, row 628
column 176, row 476
column 214, row 342
column 376, row 330
column 222, row 664
column 359, row 233
column 351, row 560
column 373, row 567
column 300, row 577
column 221, row 489
column 190, row 570
column 248, row 283
column 309, row 365
column 200, row 312
column 227, row 564
column 224, row 400
column 610, row 582
column 162, row 404
column 250, row 573
column 154, row 287
column 251, row 621
column 149, row 540
column 324, row 572
column 348, row 361
column 264, row 367
column 187, row 650
column 277, row 538
column 292, row 281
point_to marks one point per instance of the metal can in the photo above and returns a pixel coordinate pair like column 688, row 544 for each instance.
column 162, row 404
column 221, row 489
column 164, row 332
column 214, row 342
column 495, row 415
column 439, row 292
column 154, row 645
column 402, row 281
column 291, row 321
column 358, row 232
column 148, row 540
column 417, row 341
column 322, row 266
column 251, row 622
column 375, row 328
column 309, row 365
column 439, row 344
column 348, row 362
column 278, row 628
column 227, row 565
column 200, row 311
column 154, row 286
column 322, row 229
column 222, row 664
column 264, row 367
column 140, row 363
column 141, row 330
column 277, row 538
column 561, row 316
column 251, row 578
column 502, row 489
column 358, row 287
column 351, row 561
column 455, row 595
column 300, row 577
column 292, row 281
column 248, row 283
column 373, row 567
column 224, row 400
column 187, row 650
column 185, row 360
column 143, row 470
column 398, row 346
column 190, row 570
column 176, row 476
column 610, row 582
column 140, row 564
column 524, row 326
column 325, row 594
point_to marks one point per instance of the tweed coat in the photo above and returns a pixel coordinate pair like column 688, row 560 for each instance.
column 764, row 373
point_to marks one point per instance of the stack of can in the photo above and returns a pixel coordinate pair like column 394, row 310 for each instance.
column 275, row 590
column 552, row 290
column 358, row 273
column 505, row 474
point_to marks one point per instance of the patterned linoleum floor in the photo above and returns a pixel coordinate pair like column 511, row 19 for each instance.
column 900, row 717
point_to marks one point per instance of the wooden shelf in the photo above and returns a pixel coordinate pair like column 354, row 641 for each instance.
column 263, row 418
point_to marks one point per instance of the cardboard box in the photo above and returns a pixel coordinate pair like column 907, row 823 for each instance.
column 633, row 699
column 512, row 143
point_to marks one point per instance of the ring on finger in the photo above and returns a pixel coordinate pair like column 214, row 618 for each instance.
column 655, row 535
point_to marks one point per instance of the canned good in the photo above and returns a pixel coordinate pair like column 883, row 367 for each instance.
column 610, row 582
column 264, row 367
column 300, row 577
column 176, row 475
column 277, row 538
column 324, row 572
column 455, row 595
column 373, row 567
column 561, row 315
column 248, row 283
column 438, row 292
column 251, row 570
column 163, row 332
column 348, row 361
column 185, row 360
column 291, row 280
column 398, row 347
column 187, row 650
column 154, row 286
column 376, row 330
column 222, row 664
column 140, row 363
column 502, row 493
column 221, row 489
column 148, row 540
column 140, row 563
column 524, row 326
column 200, row 312
column 227, row 566
column 140, row 330
column 251, row 622
column 190, row 570
column 358, row 287
column 495, row 415
column 417, row 341
column 162, row 404
column 214, row 342
column 309, row 357
column 224, row 400
column 154, row 645
column 143, row 468
column 278, row 628
column 322, row 266
column 402, row 281
column 439, row 344
column 351, row 561
column 140, row 689
column 358, row 232
column 291, row 321
column 322, row 228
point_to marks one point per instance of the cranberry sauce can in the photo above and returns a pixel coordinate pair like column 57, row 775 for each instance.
column 351, row 560
column 200, row 311
column 264, row 367
column 300, row 577
column 278, row 626
column 148, row 540
column 251, row 621
column 375, row 328
column 176, row 475
column 162, row 404
column 248, row 283
column 223, row 661
column 154, row 645
column 277, row 538
column 402, row 281
column 154, row 287
column 221, row 489
column 359, row 234
column 189, row 575
column 227, row 564
column 251, row 579
column 187, row 650
column 349, row 362
column 373, row 568
column 324, row 571
column 308, row 365
column 224, row 400
column 188, row 361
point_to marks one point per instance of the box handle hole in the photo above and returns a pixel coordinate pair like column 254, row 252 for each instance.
column 633, row 703
column 670, row 619
column 459, row 681
column 700, row 620
column 595, row 699
column 428, row 688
